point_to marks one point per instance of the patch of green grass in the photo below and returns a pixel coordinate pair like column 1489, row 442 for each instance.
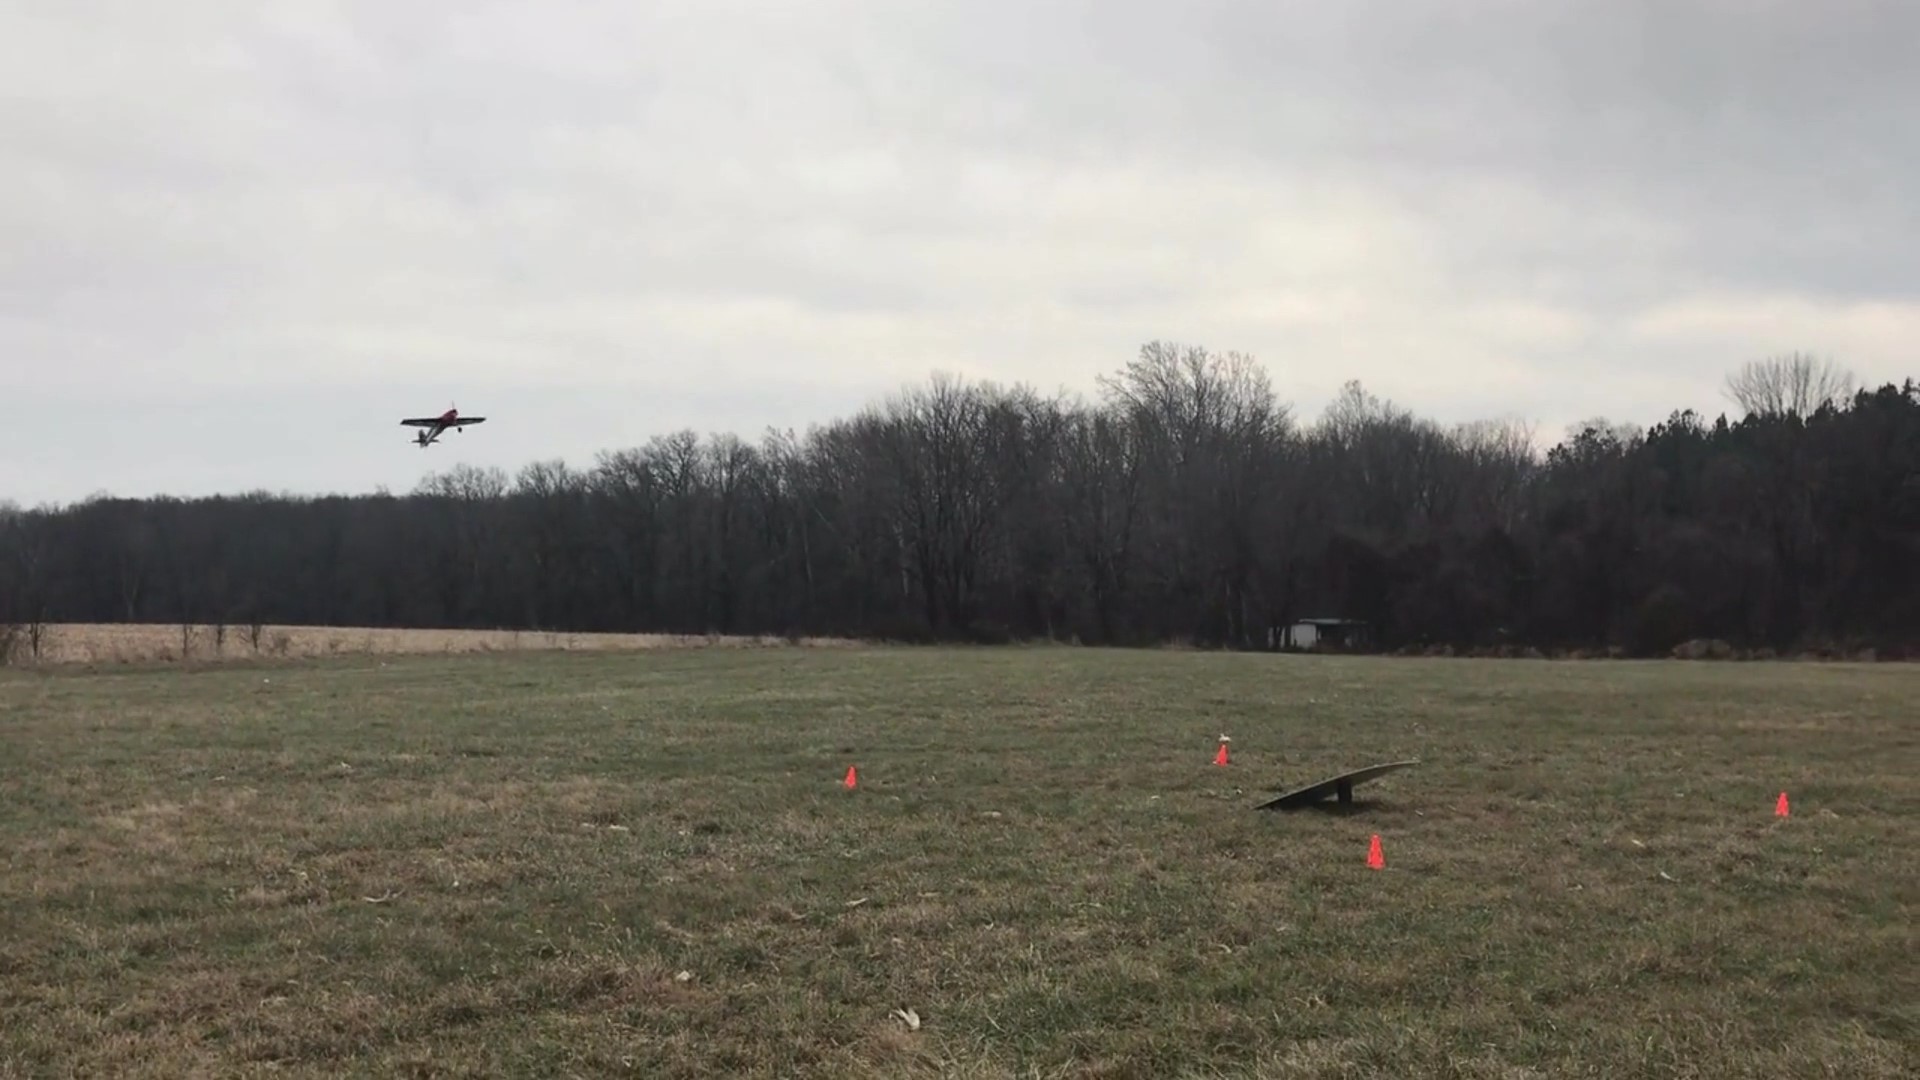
column 645, row 864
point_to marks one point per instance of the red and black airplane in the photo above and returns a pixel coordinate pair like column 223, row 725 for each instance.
column 436, row 425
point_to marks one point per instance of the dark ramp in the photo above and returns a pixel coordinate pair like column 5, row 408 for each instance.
column 1341, row 786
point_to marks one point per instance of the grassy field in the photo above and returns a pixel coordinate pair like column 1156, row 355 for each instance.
column 645, row 864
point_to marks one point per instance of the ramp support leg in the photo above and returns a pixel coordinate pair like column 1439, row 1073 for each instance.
column 1345, row 790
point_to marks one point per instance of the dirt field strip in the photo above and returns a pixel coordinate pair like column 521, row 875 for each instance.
column 119, row 643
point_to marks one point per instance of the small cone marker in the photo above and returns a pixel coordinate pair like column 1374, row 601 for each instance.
column 1780, row 808
column 1375, row 859
column 1221, row 757
column 853, row 778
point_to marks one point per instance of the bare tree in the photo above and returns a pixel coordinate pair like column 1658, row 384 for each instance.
column 939, row 444
column 545, row 530
column 468, row 572
column 1499, row 456
column 1795, row 384
column 628, row 494
column 24, row 554
column 1210, row 431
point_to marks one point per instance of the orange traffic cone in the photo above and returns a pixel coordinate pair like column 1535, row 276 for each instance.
column 1780, row 807
column 853, row 778
column 1375, row 859
column 1221, row 757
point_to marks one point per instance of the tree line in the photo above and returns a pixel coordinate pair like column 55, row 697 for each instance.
column 1184, row 502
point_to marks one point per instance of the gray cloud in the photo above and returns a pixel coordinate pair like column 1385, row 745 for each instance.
column 225, row 228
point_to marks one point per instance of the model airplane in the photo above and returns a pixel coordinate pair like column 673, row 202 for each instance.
column 436, row 425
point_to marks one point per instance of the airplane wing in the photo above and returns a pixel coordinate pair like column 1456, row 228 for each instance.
column 465, row 420
column 420, row 421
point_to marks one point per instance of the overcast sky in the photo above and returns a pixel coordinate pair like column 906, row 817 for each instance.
column 239, row 240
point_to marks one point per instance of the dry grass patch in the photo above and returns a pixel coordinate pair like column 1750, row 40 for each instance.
column 644, row 864
column 125, row 643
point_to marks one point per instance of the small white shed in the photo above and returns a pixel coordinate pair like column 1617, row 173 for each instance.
column 1306, row 634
